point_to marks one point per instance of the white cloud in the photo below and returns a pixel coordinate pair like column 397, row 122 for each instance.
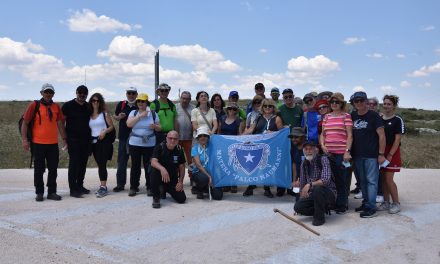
column 131, row 48
column 375, row 55
column 317, row 66
column 427, row 28
column 106, row 93
column 359, row 88
column 387, row 89
column 426, row 70
column 263, row 50
column 353, row 40
column 400, row 56
column 426, row 85
column 87, row 21
column 405, row 84
column 3, row 87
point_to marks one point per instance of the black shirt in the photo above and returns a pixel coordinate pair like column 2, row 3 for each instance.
column 392, row 127
column 170, row 159
column 365, row 137
column 124, row 131
column 77, row 120
column 263, row 124
column 296, row 156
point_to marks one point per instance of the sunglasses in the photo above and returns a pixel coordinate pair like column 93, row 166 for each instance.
column 257, row 102
column 308, row 101
column 131, row 93
column 164, row 90
column 49, row 92
column 95, row 101
column 335, row 102
column 359, row 100
column 288, row 97
column 322, row 107
column 268, row 106
column 294, row 137
column 232, row 108
column 203, row 135
column 141, row 101
column 83, row 93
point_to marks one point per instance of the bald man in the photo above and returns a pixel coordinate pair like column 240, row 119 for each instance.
column 168, row 162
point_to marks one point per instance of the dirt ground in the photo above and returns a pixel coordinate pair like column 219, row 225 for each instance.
column 122, row 229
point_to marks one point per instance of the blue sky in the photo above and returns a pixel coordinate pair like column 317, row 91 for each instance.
column 218, row 46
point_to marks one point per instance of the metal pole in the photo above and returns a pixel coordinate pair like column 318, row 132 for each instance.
column 156, row 73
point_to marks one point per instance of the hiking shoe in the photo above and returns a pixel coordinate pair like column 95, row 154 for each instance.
column 76, row 194
column 341, row 210
column 368, row 213
column 84, row 190
column 249, row 191
column 118, row 188
column 200, row 195
column 358, row 195
column 318, row 222
column 193, row 190
column 394, row 208
column 132, row 192
column 360, row 208
column 39, row 197
column 280, row 193
column 384, row 206
column 268, row 194
column 102, row 192
column 379, row 199
column 234, row 189
column 163, row 193
column 355, row 190
column 53, row 196
column 156, row 203
column 149, row 192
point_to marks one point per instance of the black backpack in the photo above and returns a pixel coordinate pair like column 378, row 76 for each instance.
column 30, row 126
column 157, row 106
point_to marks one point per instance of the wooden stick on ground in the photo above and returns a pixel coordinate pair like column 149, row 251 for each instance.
column 276, row 210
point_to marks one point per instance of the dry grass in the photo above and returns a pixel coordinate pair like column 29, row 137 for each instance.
column 418, row 151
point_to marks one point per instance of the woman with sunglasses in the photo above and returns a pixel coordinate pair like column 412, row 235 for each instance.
column 203, row 115
column 336, row 139
column 101, row 125
column 268, row 122
column 394, row 129
column 254, row 114
column 200, row 158
column 218, row 104
column 141, row 142
column 231, row 124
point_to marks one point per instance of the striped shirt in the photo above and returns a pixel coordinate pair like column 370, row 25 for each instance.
column 335, row 132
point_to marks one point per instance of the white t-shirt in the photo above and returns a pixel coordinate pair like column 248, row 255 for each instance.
column 197, row 116
column 97, row 125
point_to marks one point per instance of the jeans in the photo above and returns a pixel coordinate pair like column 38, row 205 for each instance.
column 78, row 157
column 202, row 181
column 368, row 171
column 341, row 181
column 121, row 173
column 139, row 154
column 45, row 154
column 319, row 200
column 170, row 187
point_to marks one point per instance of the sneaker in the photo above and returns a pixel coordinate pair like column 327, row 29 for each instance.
column 102, row 192
column 318, row 222
column 118, row 188
column 156, row 203
column 234, row 189
column 39, row 197
column 132, row 192
column 355, row 190
column 384, row 206
column 268, row 194
column 360, row 208
column 394, row 208
column 358, row 195
column 53, row 196
column 379, row 199
column 84, row 190
column 368, row 214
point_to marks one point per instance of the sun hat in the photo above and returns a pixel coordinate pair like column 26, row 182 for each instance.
column 297, row 132
column 142, row 96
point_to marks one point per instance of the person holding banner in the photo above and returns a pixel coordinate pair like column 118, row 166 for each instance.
column 267, row 122
column 200, row 157
column 203, row 115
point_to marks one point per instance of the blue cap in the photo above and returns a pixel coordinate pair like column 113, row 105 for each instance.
column 275, row 90
column 362, row 95
column 310, row 143
column 233, row 93
column 287, row 90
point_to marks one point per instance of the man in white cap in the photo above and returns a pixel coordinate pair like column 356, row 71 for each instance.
column 166, row 110
column 123, row 109
column 44, row 119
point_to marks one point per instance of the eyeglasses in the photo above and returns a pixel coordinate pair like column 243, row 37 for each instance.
column 141, row 101
column 268, row 106
column 163, row 90
column 48, row 92
column 335, row 102
column 361, row 100
column 322, row 107
column 185, row 98
column 288, row 97
column 95, row 101
column 257, row 102
column 372, row 104
column 173, row 138
column 131, row 93
column 231, row 108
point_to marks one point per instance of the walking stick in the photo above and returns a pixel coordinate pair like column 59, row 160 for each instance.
column 276, row 210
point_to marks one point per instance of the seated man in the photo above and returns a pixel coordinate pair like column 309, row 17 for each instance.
column 168, row 168
column 318, row 190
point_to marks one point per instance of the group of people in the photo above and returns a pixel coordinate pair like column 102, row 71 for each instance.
column 327, row 141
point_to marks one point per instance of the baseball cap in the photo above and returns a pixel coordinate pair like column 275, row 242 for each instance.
column 233, row 93
column 142, row 96
column 287, row 90
column 131, row 89
column 297, row 132
column 275, row 90
column 47, row 86
column 202, row 131
column 320, row 103
column 327, row 94
column 310, row 143
column 362, row 95
column 163, row 86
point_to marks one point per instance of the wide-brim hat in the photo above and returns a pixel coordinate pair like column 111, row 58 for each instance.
column 297, row 132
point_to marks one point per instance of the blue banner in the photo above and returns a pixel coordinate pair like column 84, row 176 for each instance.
column 262, row 159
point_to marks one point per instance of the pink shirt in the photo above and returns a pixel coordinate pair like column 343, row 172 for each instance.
column 334, row 129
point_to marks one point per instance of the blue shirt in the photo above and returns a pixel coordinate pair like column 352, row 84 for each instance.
column 202, row 153
column 142, row 135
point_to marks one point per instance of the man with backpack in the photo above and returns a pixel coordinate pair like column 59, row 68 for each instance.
column 43, row 118
column 166, row 110
column 317, row 188
column 123, row 109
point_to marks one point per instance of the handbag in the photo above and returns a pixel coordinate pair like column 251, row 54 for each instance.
column 111, row 137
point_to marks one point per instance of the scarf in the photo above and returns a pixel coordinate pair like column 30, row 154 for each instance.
column 49, row 110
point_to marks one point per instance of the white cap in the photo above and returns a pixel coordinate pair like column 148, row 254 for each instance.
column 131, row 89
column 202, row 131
column 47, row 86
